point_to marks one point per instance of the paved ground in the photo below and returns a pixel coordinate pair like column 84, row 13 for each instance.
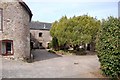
column 49, row 65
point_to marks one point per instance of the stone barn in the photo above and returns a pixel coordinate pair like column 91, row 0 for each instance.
column 15, row 17
column 40, row 34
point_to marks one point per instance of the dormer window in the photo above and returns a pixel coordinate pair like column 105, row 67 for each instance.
column 1, row 15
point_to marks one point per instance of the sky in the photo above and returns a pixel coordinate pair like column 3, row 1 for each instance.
column 52, row 10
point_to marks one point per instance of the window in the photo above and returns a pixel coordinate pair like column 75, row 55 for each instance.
column 1, row 19
column 40, row 34
column 40, row 44
column 7, row 47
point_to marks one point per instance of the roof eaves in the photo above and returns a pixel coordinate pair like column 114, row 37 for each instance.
column 26, row 8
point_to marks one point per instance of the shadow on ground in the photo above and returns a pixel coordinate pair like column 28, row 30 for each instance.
column 42, row 54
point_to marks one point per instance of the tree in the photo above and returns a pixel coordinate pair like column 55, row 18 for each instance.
column 55, row 43
column 75, row 31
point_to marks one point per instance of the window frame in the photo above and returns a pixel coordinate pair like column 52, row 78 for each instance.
column 1, row 25
column 6, row 53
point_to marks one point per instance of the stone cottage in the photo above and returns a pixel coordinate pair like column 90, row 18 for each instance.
column 15, row 17
column 40, row 34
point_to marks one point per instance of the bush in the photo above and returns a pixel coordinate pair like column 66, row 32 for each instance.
column 107, row 47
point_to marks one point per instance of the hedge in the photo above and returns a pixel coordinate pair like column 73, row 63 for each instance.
column 108, row 45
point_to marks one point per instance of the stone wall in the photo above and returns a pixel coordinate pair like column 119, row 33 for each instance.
column 15, row 27
column 44, row 39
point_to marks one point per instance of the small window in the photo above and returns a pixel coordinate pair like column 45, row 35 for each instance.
column 40, row 44
column 1, row 15
column 7, row 47
column 40, row 34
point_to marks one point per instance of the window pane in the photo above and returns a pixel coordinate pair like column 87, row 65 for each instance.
column 3, row 48
column 8, row 44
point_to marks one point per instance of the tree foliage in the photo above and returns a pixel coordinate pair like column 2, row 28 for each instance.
column 108, row 47
column 76, row 30
column 55, row 43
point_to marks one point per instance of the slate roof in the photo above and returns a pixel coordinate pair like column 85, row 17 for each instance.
column 40, row 25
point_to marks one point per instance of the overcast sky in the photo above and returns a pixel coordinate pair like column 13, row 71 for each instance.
column 51, row 10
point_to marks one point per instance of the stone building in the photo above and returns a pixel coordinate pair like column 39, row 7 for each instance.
column 15, row 17
column 40, row 34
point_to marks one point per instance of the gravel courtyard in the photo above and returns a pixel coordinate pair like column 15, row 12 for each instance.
column 48, row 65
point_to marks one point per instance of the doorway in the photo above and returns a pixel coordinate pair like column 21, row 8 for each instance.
column 88, row 47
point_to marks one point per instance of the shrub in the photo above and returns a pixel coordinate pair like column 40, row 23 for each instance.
column 107, row 47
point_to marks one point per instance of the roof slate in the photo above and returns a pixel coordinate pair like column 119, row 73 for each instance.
column 40, row 25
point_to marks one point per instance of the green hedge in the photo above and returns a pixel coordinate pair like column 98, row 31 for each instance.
column 108, row 45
